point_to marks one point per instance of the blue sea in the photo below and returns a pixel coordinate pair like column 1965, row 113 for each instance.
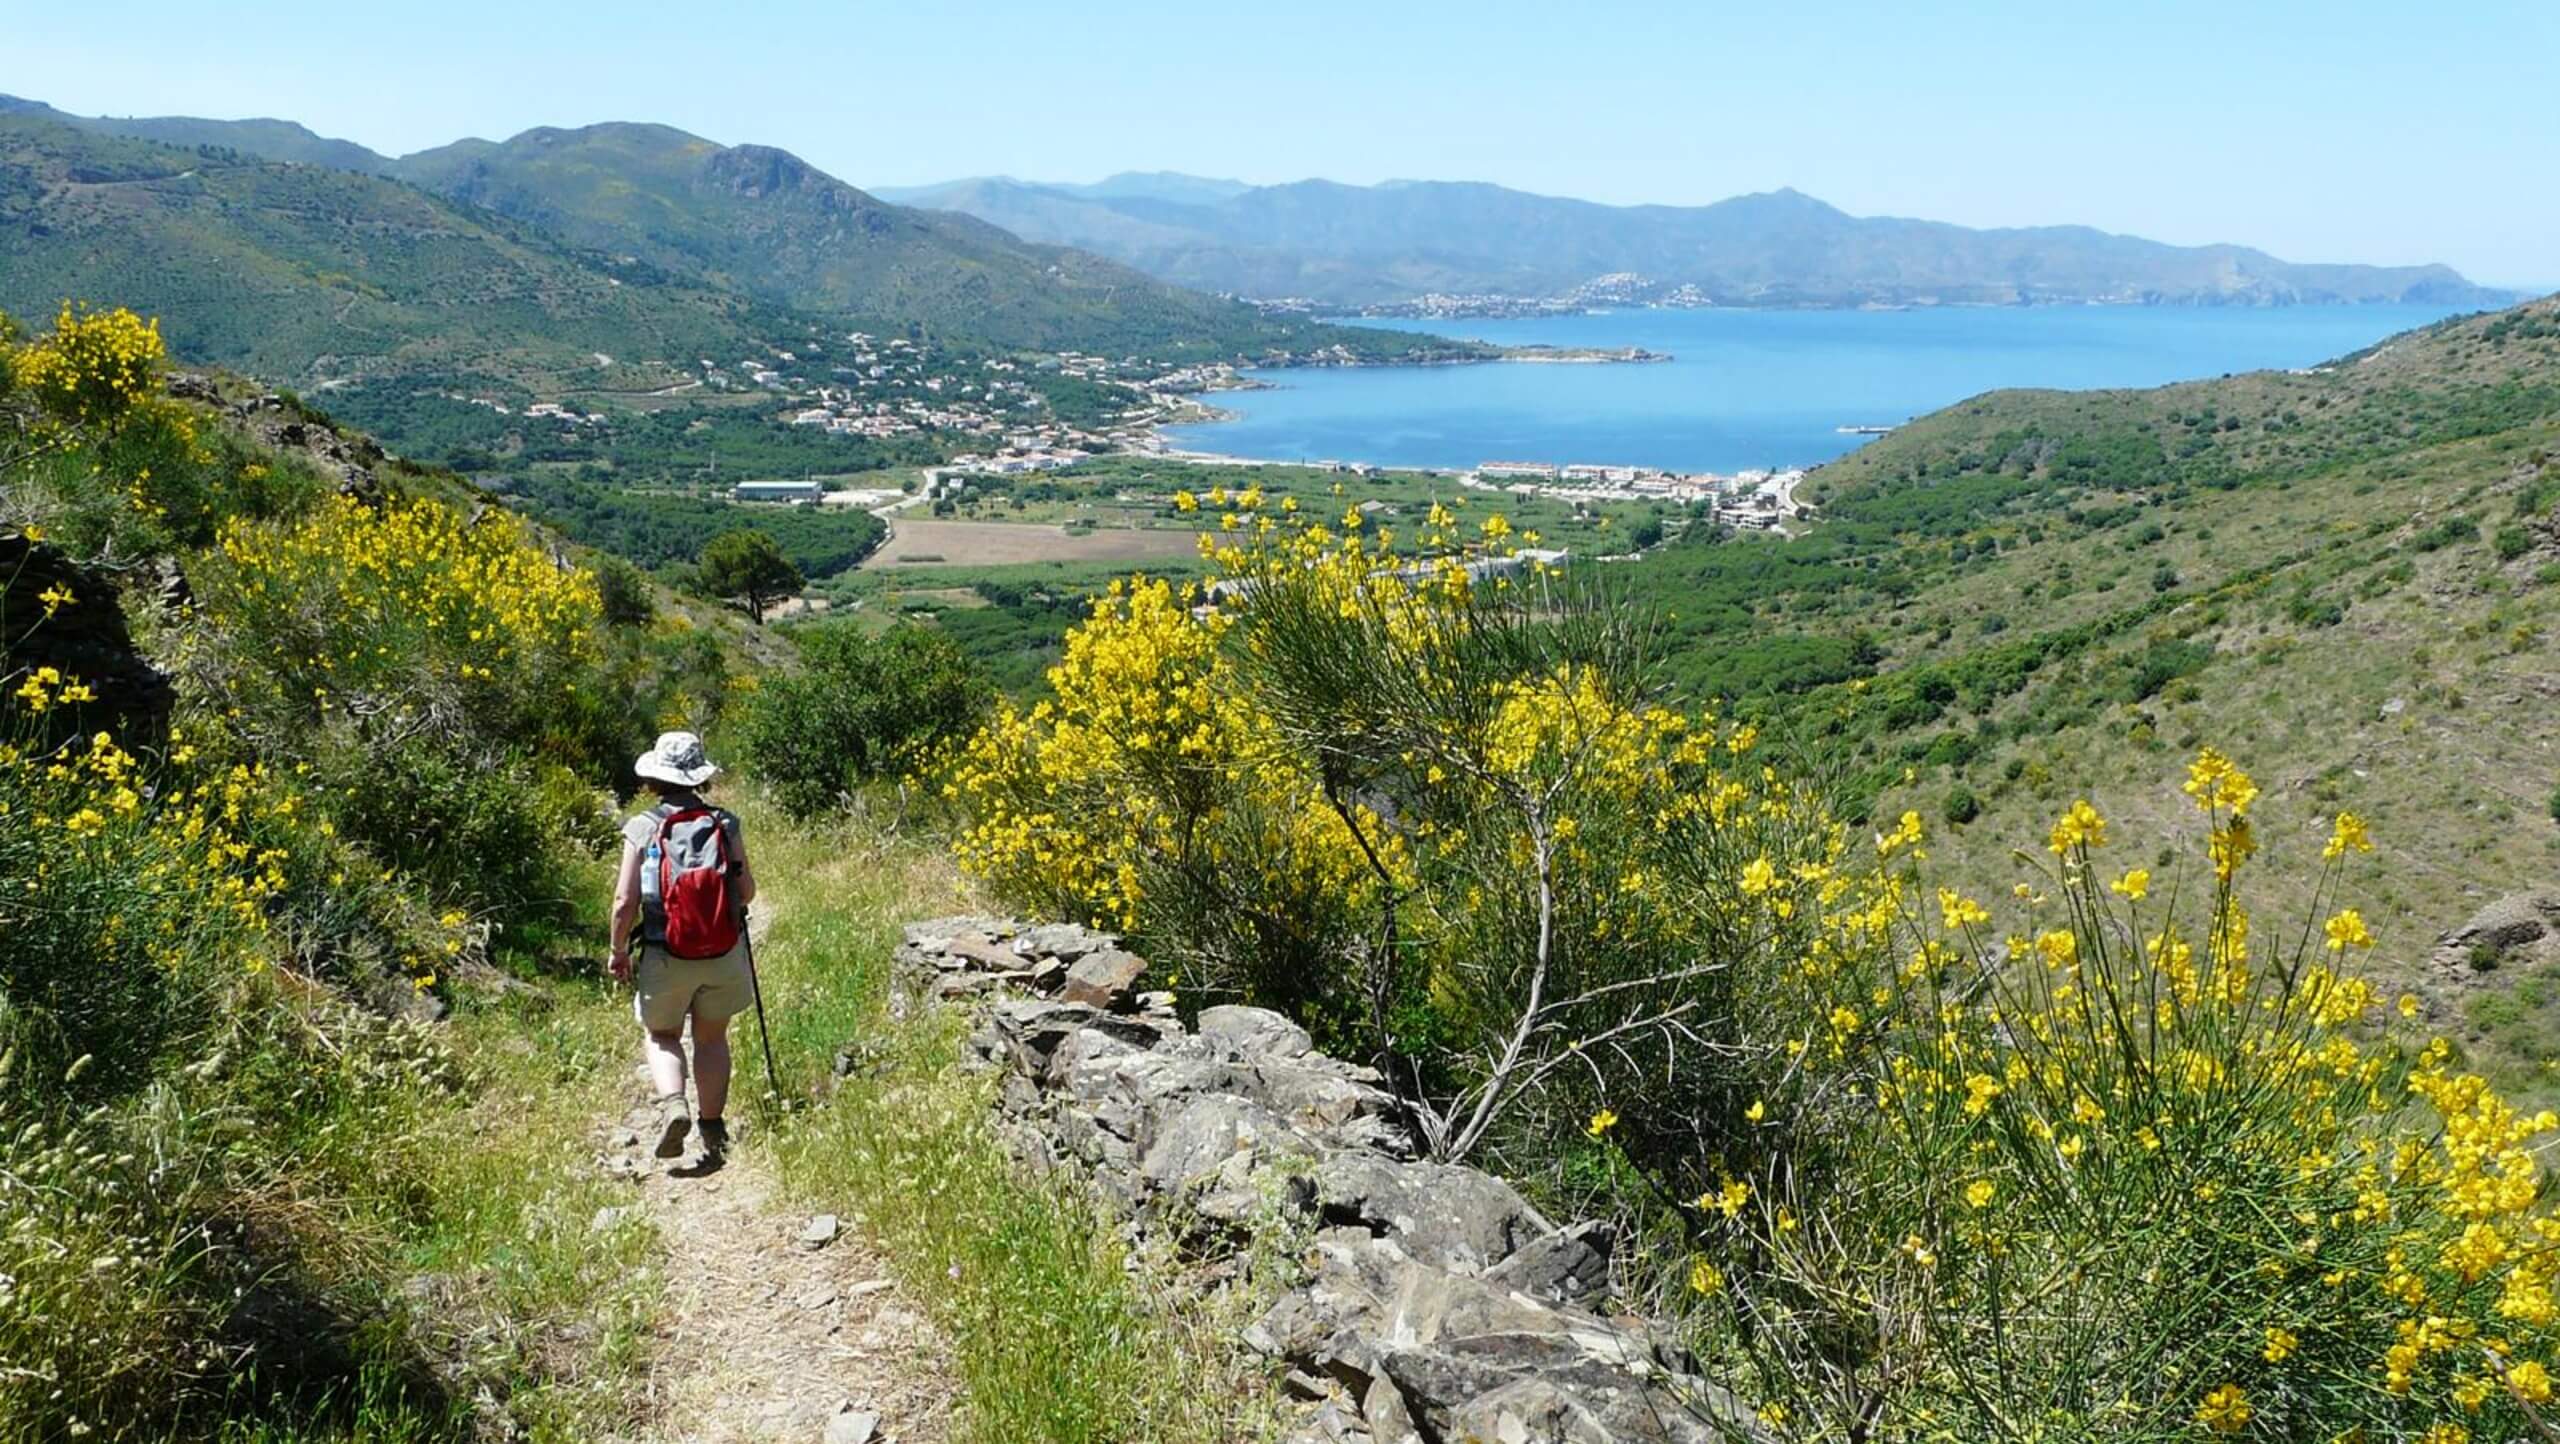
column 1753, row 388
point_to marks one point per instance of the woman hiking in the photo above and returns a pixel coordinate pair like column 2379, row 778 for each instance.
column 685, row 885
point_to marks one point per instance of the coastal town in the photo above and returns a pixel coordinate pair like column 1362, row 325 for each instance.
column 1757, row 500
column 977, row 418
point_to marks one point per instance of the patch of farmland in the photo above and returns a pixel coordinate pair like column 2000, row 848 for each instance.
column 995, row 543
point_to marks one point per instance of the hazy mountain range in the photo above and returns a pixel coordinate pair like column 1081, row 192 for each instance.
column 1349, row 245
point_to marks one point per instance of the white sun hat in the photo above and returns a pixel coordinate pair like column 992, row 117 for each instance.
column 678, row 758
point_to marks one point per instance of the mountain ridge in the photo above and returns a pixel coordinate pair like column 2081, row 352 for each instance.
column 1392, row 243
column 759, row 222
column 312, row 275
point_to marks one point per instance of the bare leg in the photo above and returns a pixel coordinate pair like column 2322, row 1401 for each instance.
column 666, row 1064
column 711, row 1067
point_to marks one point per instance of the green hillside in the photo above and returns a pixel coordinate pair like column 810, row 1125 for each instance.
column 439, row 322
column 2348, row 578
column 266, row 139
column 316, row 278
column 648, row 205
column 764, row 222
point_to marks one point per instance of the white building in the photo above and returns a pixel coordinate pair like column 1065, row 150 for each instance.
column 777, row 491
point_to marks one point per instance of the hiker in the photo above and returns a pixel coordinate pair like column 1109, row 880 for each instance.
column 686, row 884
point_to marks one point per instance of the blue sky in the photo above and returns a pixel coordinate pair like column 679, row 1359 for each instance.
column 2348, row 130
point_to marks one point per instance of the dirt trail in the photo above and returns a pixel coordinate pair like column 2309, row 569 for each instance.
column 768, row 1335
column 766, row 1338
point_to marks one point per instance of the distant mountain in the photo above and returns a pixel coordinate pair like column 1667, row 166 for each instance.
column 311, row 275
column 1371, row 245
column 265, row 139
column 764, row 222
column 1155, row 185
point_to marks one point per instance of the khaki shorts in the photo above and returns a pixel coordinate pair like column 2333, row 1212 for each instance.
column 668, row 988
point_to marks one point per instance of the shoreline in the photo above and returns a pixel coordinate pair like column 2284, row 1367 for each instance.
column 1518, row 308
column 1535, row 353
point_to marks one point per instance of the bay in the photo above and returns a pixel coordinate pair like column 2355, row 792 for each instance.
column 1752, row 388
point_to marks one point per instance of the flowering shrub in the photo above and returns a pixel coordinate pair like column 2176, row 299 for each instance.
column 2133, row 1169
column 94, row 368
column 99, row 459
column 1148, row 793
column 124, row 908
column 387, row 720
column 402, row 610
column 2111, row 1157
column 430, row 670
column 1427, row 807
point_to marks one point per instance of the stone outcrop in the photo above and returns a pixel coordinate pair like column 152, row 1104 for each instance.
column 84, row 638
column 1437, row 1304
column 2506, row 937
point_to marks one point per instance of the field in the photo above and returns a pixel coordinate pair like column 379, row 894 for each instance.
column 992, row 543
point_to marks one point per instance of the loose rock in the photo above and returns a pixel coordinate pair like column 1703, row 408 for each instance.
column 853, row 1426
column 1103, row 979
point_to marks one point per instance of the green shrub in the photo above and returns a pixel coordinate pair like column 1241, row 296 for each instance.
column 2513, row 542
column 862, row 706
column 1962, row 806
column 623, row 594
column 2494, row 1012
column 481, row 831
column 2455, row 528
column 2159, row 664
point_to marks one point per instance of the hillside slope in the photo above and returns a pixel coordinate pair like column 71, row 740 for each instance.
column 264, row 138
column 314, row 276
column 764, row 222
column 761, row 224
column 2347, row 578
column 1357, row 245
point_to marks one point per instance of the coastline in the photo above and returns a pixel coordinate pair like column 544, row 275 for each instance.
column 1534, row 354
column 1515, row 308
column 1203, row 413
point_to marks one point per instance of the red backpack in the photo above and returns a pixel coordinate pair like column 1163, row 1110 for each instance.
column 686, row 879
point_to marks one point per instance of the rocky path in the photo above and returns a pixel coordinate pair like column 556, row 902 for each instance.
column 778, row 1326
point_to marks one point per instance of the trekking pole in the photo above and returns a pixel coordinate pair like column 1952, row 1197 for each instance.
column 755, row 990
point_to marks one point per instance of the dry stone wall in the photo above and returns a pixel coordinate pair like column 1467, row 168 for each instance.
column 1437, row 1306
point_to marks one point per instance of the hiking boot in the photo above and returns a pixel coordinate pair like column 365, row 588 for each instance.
column 674, row 1122
column 715, row 1136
